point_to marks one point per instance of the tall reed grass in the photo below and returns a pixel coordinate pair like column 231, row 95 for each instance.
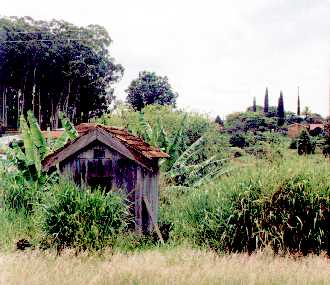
column 284, row 205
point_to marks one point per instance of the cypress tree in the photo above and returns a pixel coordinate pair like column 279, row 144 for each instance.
column 266, row 103
column 254, row 107
column 280, row 109
column 218, row 120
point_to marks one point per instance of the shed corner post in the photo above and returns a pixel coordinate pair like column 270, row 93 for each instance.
column 138, row 200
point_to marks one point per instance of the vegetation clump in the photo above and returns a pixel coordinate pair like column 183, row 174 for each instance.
column 277, row 206
column 305, row 144
column 79, row 218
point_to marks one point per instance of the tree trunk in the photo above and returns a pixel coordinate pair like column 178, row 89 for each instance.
column 34, row 89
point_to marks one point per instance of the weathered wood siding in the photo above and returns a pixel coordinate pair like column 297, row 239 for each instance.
column 117, row 172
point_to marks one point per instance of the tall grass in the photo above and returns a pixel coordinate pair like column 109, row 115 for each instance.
column 74, row 217
column 15, row 226
column 283, row 205
column 175, row 266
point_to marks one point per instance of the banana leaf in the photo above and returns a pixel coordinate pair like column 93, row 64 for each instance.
column 68, row 127
column 37, row 138
column 27, row 141
column 144, row 129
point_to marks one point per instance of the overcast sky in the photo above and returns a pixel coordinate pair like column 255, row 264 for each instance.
column 216, row 54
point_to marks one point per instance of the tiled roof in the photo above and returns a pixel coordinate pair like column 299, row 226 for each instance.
column 130, row 141
column 314, row 126
column 136, row 145
column 54, row 134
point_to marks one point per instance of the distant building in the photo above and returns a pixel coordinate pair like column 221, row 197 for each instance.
column 295, row 129
column 315, row 129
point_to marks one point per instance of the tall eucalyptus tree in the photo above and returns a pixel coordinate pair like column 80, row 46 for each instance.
column 54, row 66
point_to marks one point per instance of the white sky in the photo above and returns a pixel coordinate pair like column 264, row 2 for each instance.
column 217, row 54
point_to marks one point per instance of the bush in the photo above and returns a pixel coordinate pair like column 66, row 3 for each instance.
column 238, row 140
column 293, row 144
column 72, row 217
column 305, row 144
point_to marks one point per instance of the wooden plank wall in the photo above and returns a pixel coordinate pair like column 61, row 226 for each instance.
column 124, row 174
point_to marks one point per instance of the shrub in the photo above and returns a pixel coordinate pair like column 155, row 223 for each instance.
column 293, row 144
column 238, row 140
column 72, row 217
column 305, row 144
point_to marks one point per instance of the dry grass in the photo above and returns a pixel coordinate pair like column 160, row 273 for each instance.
column 175, row 266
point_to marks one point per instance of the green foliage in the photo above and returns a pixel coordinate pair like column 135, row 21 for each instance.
column 37, row 138
column 305, row 143
column 326, row 147
column 156, row 135
column 15, row 226
column 269, row 151
column 32, row 146
column 285, row 206
column 38, row 61
column 193, row 169
column 171, row 119
column 238, row 140
column 73, row 217
column 69, row 133
column 169, row 129
column 18, row 193
column 36, row 147
column 150, row 89
column 250, row 121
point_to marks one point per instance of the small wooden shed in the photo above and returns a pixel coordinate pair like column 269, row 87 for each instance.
column 115, row 159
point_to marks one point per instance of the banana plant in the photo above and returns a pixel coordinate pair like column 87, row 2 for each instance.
column 190, row 170
column 69, row 133
column 157, row 136
column 36, row 148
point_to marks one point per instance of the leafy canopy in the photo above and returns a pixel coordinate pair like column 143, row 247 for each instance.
column 150, row 88
column 52, row 66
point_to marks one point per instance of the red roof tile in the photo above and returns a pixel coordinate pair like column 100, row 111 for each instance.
column 314, row 126
column 130, row 141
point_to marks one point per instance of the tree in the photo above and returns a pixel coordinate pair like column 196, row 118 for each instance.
column 306, row 112
column 148, row 89
column 298, row 106
column 266, row 103
column 218, row 120
column 280, row 110
column 54, row 66
column 254, row 106
column 305, row 144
